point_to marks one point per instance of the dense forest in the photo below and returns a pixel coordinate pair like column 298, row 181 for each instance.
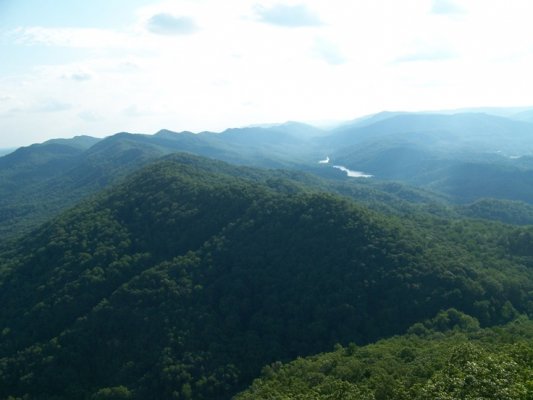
column 189, row 277
column 447, row 357
column 453, row 165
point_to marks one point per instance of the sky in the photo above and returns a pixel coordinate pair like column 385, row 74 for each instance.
column 72, row 67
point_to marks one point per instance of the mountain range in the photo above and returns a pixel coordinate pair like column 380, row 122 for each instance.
column 181, row 265
column 461, row 158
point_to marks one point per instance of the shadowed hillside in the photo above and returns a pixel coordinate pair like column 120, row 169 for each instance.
column 193, row 274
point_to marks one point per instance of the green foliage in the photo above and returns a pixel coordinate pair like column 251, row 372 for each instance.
column 192, row 275
column 472, row 373
column 430, row 151
column 445, row 321
column 510, row 212
column 465, row 156
column 486, row 364
column 113, row 393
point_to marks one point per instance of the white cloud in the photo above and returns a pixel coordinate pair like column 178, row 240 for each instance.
column 132, row 111
column 428, row 53
column 364, row 56
column 446, row 7
column 90, row 116
column 73, row 37
column 291, row 16
column 78, row 76
column 167, row 24
column 329, row 52
column 43, row 106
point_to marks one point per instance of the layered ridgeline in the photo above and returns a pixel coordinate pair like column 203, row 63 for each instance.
column 38, row 181
column 190, row 276
column 466, row 156
column 462, row 158
column 26, row 180
column 448, row 357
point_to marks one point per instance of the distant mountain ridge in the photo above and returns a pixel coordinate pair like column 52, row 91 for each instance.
column 41, row 179
column 462, row 157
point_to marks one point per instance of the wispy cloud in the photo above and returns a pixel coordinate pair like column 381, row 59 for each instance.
column 446, row 7
column 89, row 116
column 132, row 111
column 128, row 66
column 167, row 24
column 44, row 106
column 328, row 52
column 430, row 50
column 256, row 50
column 72, row 37
column 78, row 76
column 291, row 16
column 427, row 55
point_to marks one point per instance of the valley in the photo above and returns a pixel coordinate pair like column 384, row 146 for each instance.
column 213, row 265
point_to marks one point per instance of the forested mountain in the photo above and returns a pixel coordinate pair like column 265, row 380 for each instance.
column 464, row 156
column 511, row 212
column 448, row 357
column 26, row 176
column 6, row 151
column 38, row 181
column 367, row 120
column 461, row 158
column 188, row 277
column 457, row 132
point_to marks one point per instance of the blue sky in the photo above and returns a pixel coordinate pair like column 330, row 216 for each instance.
column 99, row 67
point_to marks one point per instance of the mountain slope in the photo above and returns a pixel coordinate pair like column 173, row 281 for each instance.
column 191, row 275
column 37, row 182
column 510, row 212
column 464, row 132
column 454, row 359
column 25, row 175
column 42, row 160
column 463, row 156
column 79, row 173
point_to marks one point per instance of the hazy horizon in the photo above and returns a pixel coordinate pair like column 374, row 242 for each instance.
column 140, row 65
column 325, row 124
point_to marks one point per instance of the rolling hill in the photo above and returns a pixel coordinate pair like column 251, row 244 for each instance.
column 189, row 276
column 452, row 359
column 464, row 156
column 460, row 158
column 38, row 181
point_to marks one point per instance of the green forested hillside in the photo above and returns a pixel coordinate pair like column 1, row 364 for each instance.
column 189, row 277
column 510, row 212
column 465, row 156
column 25, row 176
column 461, row 158
column 448, row 357
column 39, row 182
